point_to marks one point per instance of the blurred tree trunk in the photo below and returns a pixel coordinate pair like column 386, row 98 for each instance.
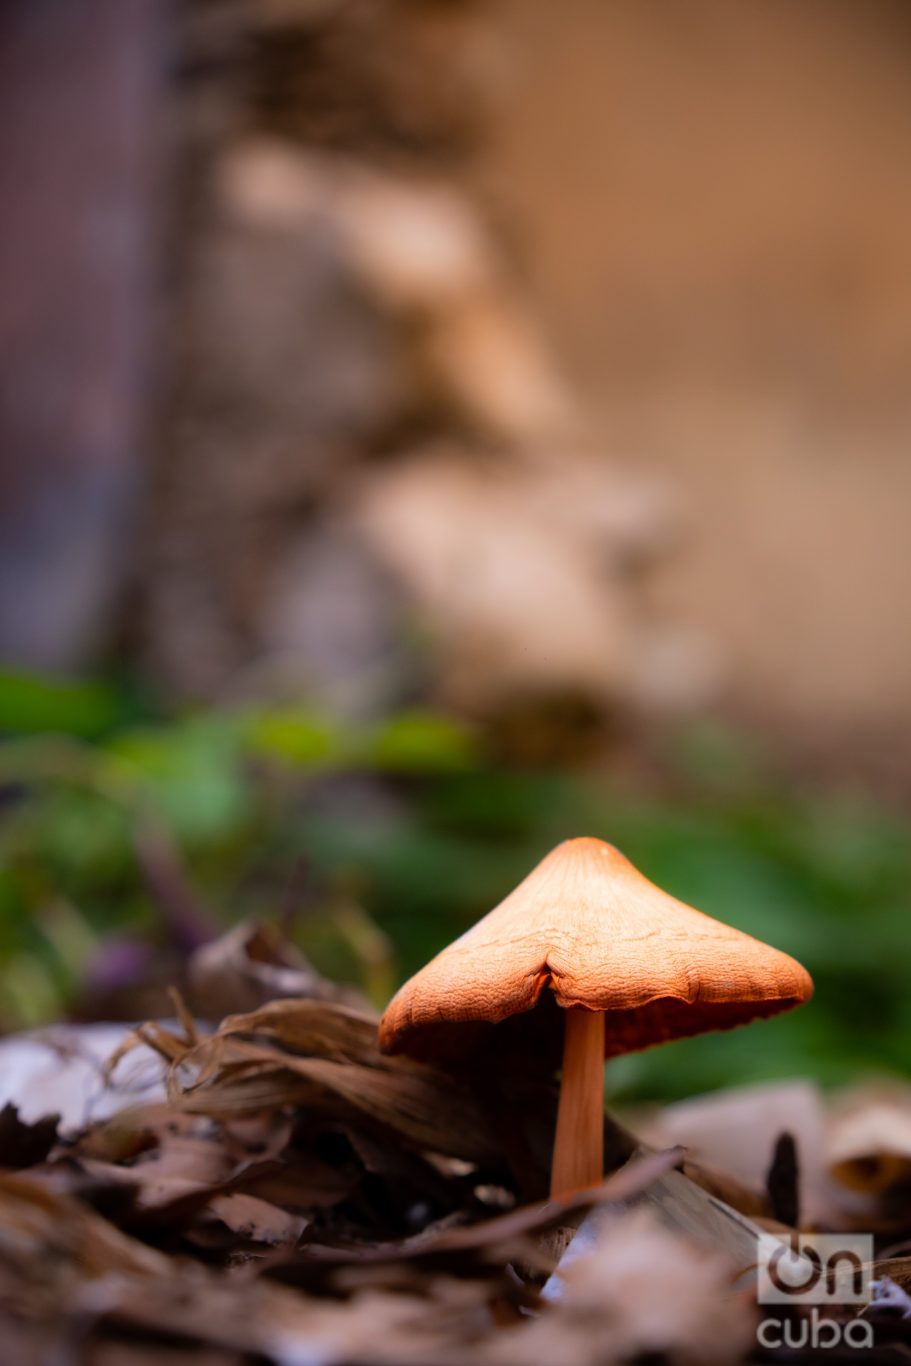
column 80, row 89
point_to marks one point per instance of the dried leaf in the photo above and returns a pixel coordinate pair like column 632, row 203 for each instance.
column 37, row 1223
column 251, row 965
column 869, row 1142
column 641, row 1291
column 256, row 1220
column 61, row 1071
column 25, row 1145
column 736, row 1131
column 291, row 1052
column 782, row 1181
column 332, row 1204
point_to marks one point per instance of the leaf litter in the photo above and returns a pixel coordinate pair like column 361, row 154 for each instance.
column 293, row 1196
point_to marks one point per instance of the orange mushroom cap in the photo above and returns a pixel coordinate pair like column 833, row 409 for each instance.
column 587, row 926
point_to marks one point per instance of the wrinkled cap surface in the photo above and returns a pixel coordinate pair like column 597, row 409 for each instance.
column 588, row 928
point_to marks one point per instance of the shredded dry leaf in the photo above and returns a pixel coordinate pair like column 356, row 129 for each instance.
column 300, row 1197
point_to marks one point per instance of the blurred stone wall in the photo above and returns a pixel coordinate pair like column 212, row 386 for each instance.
column 718, row 223
column 374, row 484
column 358, row 234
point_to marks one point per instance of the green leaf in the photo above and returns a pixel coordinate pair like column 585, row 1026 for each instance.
column 420, row 742
column 297, row 737
column 34, row 705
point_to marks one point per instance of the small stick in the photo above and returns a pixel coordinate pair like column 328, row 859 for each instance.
column 578, row 1159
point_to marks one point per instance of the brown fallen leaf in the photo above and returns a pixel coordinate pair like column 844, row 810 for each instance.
column 25, row 1145
column 60, row 1070
column 65, row 1265
column 685, row 1208
column 869, row 1140
column 721, row 1184
column 300, row 1196
column 254, row 1219
column 641, row 1292
column 37, row 1223
column 251, row 965
column 735, row 1132
column 898, row 1269
column 324, row 1055
column 783, row 1181
column 517, row 1236
column 177, row 1165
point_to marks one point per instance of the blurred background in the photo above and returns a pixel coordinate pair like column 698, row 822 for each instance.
column 433, row 428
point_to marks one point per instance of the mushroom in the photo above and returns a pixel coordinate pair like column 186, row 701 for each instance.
column 629, row 965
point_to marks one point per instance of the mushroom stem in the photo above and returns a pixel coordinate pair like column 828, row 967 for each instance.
column 578, row 1159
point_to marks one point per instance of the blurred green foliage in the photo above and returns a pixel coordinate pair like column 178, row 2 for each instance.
column 408, row 834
